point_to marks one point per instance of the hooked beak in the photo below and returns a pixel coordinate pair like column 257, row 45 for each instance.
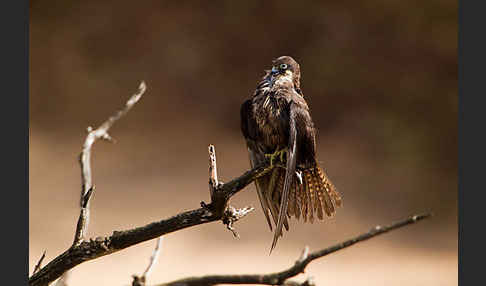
column 274, row 71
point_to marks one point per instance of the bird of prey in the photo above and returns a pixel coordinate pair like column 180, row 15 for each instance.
column 276, row 124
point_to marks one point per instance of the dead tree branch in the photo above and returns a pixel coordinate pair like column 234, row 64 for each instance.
column 87, row 187
column 86, row 178
column 83, row 250
column 280, row 278
column 153, row 258
column 101, row 246
column 102, row 133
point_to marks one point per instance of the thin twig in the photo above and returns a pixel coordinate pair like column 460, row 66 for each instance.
column 213, row 170
column 304, row 254
column 153, row 257
column 102, row 133
column 142, row 280
column 38, row 265
column 85, row 162
column 280, row 278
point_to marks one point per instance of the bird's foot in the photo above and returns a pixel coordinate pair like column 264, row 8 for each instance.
column 279, row 153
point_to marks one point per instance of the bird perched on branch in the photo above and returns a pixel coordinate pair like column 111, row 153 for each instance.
column 277, row 125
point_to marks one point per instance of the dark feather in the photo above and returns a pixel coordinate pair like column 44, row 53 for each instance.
column 270, row 192
column 289, row 176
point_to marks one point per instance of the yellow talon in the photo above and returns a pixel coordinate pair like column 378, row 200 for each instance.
column 277, row 154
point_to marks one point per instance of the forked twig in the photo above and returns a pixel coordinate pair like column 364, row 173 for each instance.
column 87, row 187
column 230, row 214
column 102, row 133
column 85, row 162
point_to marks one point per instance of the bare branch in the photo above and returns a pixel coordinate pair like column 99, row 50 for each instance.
column 153, row 258
column 85, row 162
column 86, row 178
column 141, row 280
column 102, row 132
column 38, row 265
column 280, row 278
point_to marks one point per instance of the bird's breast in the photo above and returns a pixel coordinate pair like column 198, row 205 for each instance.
column 271, row 118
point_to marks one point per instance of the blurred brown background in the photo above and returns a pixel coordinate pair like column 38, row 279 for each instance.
column 380, row 77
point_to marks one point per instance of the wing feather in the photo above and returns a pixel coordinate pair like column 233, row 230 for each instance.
column 289, row 175
column 249, row 130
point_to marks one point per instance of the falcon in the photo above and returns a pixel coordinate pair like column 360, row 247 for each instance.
column 277, row 126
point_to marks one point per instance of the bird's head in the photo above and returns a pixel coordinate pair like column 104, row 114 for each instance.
column 285, row 68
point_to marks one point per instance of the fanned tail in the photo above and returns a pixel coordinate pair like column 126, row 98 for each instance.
column 313, row 198
column 319, row 195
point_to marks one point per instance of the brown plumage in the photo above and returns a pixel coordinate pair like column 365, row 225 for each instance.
column 277, row 118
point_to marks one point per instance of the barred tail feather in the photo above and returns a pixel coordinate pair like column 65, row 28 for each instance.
column 305, row 200
column 291, row 208
column 319, row 203
column 311, row 193
column 312, row 199
column 320, row 193
column 330, row 189
column 298, row 201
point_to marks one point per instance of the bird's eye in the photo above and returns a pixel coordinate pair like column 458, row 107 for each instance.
column 283, row 66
